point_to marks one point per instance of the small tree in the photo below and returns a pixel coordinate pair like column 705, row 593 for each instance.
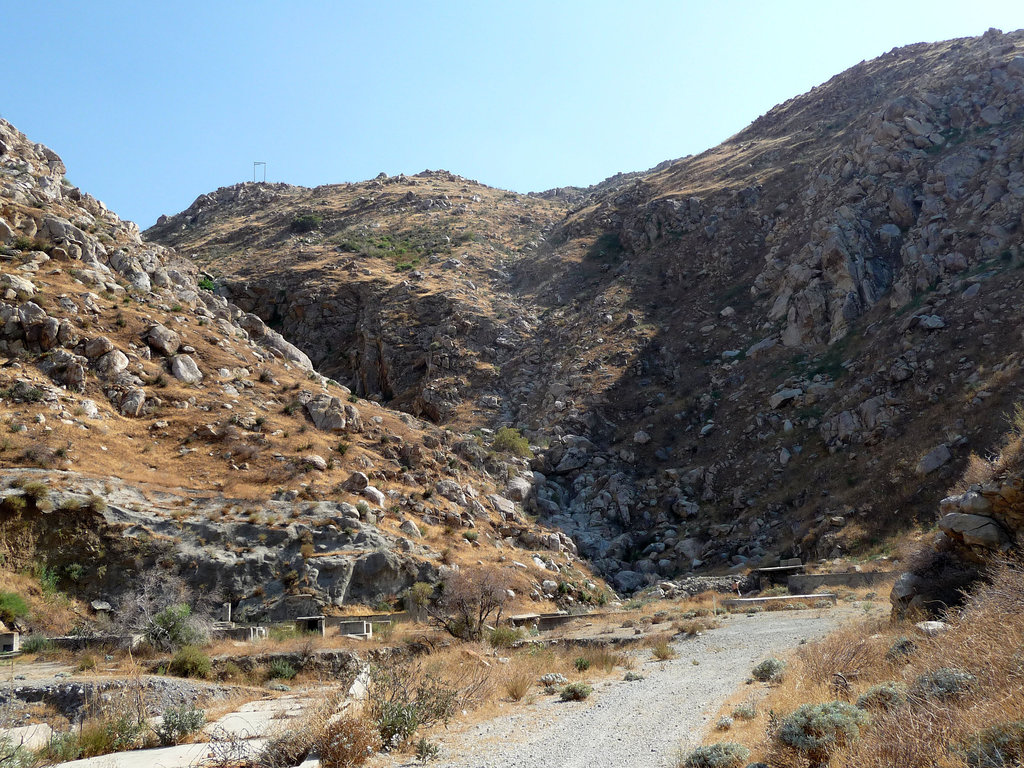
column 470, row 599
column 164, row 609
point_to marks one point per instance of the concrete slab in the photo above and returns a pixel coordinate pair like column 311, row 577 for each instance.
column 29, row 736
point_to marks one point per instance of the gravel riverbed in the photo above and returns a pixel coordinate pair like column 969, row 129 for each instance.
column 637, row 724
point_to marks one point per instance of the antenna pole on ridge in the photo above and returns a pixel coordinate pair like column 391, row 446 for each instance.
column 254, row 164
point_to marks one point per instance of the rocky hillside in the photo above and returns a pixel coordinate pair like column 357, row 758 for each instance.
column 151, row 423
column 787, row 345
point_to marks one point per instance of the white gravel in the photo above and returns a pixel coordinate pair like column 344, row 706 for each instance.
column 640, row 724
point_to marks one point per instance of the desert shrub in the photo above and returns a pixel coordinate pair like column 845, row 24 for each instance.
column 306, row 222
column 510, row 440
column 37, row 491
column 724, row 723
column 347, row 742
column 207, row 284
column 190, row 661
column 818, row 729
column 426, row 750
column 662, row 651
column 36, row 645
column 12, row 607
column 14, row 755
column 901, row 649
column 722, row 755
column 504, row 636
column 576, row 692
column 604, row 658
column 518, row 685
column 1000, row 746
column 884, row 696
column 581, row 663
column 178, row 723
column 770, row 670
column 944, row 683
column 86, row 663
column 633, row 677
column 745, row 712
column 280, row 669
column 400, row 700
column 174, row 627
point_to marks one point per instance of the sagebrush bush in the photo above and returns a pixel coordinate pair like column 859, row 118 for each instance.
column 722, row 755
column 179, row 723
column 175, row 627
column 818, row 729
column 280, row 669
column 944, row 683
column 884, row 696
column 770, row 670
column 745, row 712
column 504, row 636
column 576, row 692
column 190, row 661
column 510, row 440
column 347, row 742
column 582, row 664
column 1000, row 746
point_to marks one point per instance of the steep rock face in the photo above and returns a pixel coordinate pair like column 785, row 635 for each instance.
column 126, row 378
column 783, row 346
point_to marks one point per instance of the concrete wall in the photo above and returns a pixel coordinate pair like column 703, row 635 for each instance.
column 805, row 583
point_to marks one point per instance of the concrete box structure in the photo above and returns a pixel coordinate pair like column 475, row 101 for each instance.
column 10, row 642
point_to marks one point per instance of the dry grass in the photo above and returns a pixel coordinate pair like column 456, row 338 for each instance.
column 984, row 639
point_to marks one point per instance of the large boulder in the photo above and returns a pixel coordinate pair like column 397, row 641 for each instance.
column 974, row 530
column 163, row 340
column 327, row 413
column 184, row 369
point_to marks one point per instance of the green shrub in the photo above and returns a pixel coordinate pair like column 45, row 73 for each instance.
column 576, row 692
column 504, row 636
column 307, row 222
column 770, row 670
column 12, row 607
column 399, row 701
column 723, row 755
column 179, row 722
column 882, row 697
column 14, row 755
column 1000, row 746
column 944, row 683
column 207, row 284
column 36, row 491
column 190, row 661
column 426, row 750
column 818, row 729
column 280, row 669
column 582, row 664
column 511, row 440
column 36, row 645
column 175, row 627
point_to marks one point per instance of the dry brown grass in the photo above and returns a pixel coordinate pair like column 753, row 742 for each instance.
column 984, row 639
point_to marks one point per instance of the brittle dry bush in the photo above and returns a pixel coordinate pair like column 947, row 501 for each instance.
column 721, row 755
column 401, row 697
column 347, row 741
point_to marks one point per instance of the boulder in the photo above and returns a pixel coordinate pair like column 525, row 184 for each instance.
column 327, row 413
column 356, row 482
column 111, row 364
column 783, row 396
column 375, row 495
column 21, row 288
column 974, row 530
column 316, row 462
column 409, row 528
column 98, row 347
column 163, row 340
column 518, row 489
column 184, row 369
column 935, row 458
column 133, row 402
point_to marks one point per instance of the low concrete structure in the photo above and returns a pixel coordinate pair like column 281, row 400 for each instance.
column 10, row 642
column 801, row 584
column 741, row 602
column 357, row 628
column 243, row 634
column 543, row 622
column 312, row 624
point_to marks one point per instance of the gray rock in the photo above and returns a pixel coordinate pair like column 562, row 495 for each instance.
column 974, row 530
column 629, row 581
column 518, row 489
column 22, row 288
column 111, row 364
column 375, row 495
column 409, row 528
column 184, row 369
column 934, row 459
column 133, row 402
column 315, row 461
column 98, row 347
column 783, row 396
column 641, row 438
column 163, row 340
column 356, row 482
column 327, row 413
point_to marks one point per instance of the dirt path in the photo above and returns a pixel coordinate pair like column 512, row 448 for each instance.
column 640, row 724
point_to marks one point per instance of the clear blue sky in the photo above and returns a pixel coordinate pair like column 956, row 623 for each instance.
column 151, row 104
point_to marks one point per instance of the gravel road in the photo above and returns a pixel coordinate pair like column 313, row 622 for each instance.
column 640, row 724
